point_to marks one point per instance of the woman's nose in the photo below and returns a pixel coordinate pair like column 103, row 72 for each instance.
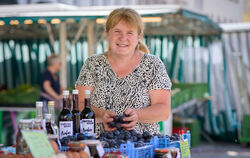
column 123, row 36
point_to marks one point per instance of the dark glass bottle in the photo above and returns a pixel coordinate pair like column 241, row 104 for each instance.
column 75, row 112
column 49, row 128
column 87, row 123
column 65, row 121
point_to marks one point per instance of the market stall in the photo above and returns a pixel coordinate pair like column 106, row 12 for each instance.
column 183, row 39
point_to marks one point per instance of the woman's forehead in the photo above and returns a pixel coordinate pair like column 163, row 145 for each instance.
column 125, row 24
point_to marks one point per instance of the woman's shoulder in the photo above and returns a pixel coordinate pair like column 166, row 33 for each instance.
column 46, row 72
column 96, row 57
column 152, row 59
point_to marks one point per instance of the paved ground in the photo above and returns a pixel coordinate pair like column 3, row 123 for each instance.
column 220, row 150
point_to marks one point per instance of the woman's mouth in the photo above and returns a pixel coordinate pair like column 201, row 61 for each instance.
column 122, row 45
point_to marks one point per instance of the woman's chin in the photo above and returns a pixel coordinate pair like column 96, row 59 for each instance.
column 123, row 52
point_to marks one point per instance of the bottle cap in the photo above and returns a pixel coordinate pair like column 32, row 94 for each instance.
column 51, row 103
column 65, row 92
column 75, row 91
column 39, row 104
column 86, row 91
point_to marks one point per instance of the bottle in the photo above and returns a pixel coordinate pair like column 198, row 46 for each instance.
column 21, row 143
column 39, row 112
column 18, row 136
column 49, row 128
column 87, row 123
column 75, row 112
column 38, row 124
column 65, row 121
column 51, row 110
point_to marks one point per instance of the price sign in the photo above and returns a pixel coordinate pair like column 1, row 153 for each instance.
column 38, row 143
column 185, row 151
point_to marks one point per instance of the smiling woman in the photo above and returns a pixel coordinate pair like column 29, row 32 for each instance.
column 126, row 78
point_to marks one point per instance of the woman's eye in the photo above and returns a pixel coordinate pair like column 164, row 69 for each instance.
column 117, row 31
column 130, row 33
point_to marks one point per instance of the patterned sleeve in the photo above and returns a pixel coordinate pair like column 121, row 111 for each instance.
column 85, row 77
column 160, row 79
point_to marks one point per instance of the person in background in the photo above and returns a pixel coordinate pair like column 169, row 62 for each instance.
column 50, row 86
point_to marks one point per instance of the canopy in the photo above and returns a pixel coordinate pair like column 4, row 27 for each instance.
column 172, row 19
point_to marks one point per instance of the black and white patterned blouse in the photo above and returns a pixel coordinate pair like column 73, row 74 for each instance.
column 117, row 94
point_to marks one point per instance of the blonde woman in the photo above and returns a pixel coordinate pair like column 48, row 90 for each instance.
column 126, row 78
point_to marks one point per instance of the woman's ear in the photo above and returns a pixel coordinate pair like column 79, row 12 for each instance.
column 106, row 33
column 140, row 36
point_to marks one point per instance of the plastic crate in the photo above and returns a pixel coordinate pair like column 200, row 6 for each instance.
column 63, row 148
column 245, row 138
column 132, row 152
column 165, row 142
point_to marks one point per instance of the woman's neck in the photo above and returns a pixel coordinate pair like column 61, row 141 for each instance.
column 51, row 70
column 122, row 59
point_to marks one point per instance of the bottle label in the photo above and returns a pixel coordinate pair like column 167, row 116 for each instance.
column 87, row 126
column 65, row 129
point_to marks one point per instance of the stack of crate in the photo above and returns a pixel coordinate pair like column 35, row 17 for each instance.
column 245, row 129
column 192, row 125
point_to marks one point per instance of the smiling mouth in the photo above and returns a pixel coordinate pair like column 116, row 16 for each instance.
column 122, row 45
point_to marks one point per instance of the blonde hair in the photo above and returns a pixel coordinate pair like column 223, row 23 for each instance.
column 132, row 18
column 53, row 58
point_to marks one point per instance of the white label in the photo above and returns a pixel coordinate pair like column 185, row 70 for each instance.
column 87, row 125
column 65, row 129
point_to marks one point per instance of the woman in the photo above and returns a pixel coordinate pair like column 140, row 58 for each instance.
column 126, row 78
column 50, row 86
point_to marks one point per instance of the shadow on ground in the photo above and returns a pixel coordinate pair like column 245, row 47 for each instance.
column 220, row 150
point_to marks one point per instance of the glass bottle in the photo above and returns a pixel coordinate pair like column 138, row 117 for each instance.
column 18, row 136
column 75, row 112
column 26, row 125
column 49, row 128
column 65, row 121
column 87, row 123
column 38, row 124
column 51, row 110
column 39, row 110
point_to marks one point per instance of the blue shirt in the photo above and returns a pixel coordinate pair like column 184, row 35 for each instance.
column 47, row 76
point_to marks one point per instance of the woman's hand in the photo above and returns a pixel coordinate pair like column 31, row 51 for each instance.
column 108, row 117
column 132, row 119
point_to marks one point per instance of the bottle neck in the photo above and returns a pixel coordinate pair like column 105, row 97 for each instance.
column 39, row 113
column 87, row 102
column 75, row 102
column 66, row 102
column 51, row 110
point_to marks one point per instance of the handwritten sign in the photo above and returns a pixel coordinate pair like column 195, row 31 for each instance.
column 185, row 151
column 38, row 143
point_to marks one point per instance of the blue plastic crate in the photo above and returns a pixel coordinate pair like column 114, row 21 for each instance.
column 165, row 142
column 175, row 144
column 146, row 151
column 63, row 148
column 132, row 152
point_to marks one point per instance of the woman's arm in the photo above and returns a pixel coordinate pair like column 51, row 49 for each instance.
column 81, row 90
column 47, row 87
column 159, row 110
column 160, row 107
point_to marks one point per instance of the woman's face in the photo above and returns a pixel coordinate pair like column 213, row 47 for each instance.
column 123, row 39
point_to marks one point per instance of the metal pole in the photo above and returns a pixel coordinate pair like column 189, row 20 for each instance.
column 63, row 54
column 91, row 37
